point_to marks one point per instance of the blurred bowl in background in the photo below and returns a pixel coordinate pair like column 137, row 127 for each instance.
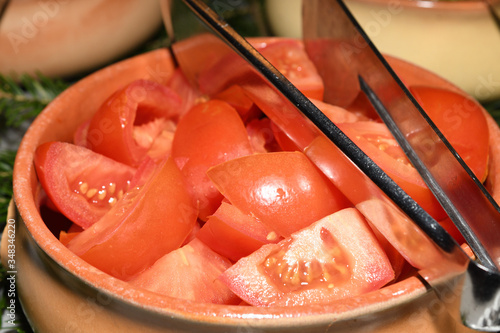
column 60, row 38
column 458, row 40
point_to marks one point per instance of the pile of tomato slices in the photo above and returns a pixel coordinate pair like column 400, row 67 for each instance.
column 195, row 193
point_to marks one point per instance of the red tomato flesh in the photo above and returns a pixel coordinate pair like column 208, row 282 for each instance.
column 190, row 272
column 288, row 56
column 111, row 129
column 284, row 190
column 209, row 134
column 81, row 184
column 333, row 258
column 234, row 234
column 378, row 143
column 147, row 223
column 462, row 122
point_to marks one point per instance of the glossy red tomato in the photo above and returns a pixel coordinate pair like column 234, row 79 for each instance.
column 210, row 133
column 150, row 221
column 234, row 234
column 189, row 95
column 378, row 143
column 81, row 184
column 389, row 220
column 333, row 258
column 462, row 122
column 288, row 56
column 111, row 131
column 190, row 272
column 236, row 97
column 262, row 136
column 284, row 190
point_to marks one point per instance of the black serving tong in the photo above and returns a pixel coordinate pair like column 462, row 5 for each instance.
column 470, row 290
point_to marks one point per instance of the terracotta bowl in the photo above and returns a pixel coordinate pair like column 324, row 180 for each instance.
column 60, row 292
column 63, row 38
column 456, row 39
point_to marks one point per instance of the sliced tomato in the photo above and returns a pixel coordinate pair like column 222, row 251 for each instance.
column 236, row 97
column 493, row 180
column 199, row 53
column 452, row 229
column 362, row 107
column 81, row 184
column 397, row 228
column 149, row 221
column 378, row 143
column 210, row 133
column 111, row 129
column 335, row 113
column 234, row 234
column 288, row 56
column 261, row 134
column 186, row 91
column 80, row 136
column 333, row 258
column 461, row 120
column 284, row 190
column 190, row 272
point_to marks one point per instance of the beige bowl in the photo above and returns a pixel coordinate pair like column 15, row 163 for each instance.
column 62, row 38
column 456, row 39
column 60, row 292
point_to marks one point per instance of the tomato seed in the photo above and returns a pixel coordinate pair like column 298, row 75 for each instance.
column 91, row 192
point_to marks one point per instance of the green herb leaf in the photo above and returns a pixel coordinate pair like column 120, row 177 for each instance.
column 23, row 99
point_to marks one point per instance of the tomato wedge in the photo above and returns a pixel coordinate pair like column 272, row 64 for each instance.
column 261, row 134
column 284, row 190
column 461, row 120
column 378, row 143
column 288, row 56
column 111, row 129
column 336, row 257
column 234, row 234
column 391, row 222
column 149, row 221
column 81, row 184
column 236, row 97
column 190, row 272
column 209, row 134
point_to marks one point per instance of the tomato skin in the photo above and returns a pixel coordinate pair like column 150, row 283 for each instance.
column 147, row 223
column 65, row 169
column 209, row 134
column 284, row 190
column 393, row 224
column 111, row 129
column 194, row 277
column 261, row 134
column 288, row 56
column 337, row 256
column 188, row 94
column 236, row 97
column 233, row 234
column 455, row 114
column 378, row 143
